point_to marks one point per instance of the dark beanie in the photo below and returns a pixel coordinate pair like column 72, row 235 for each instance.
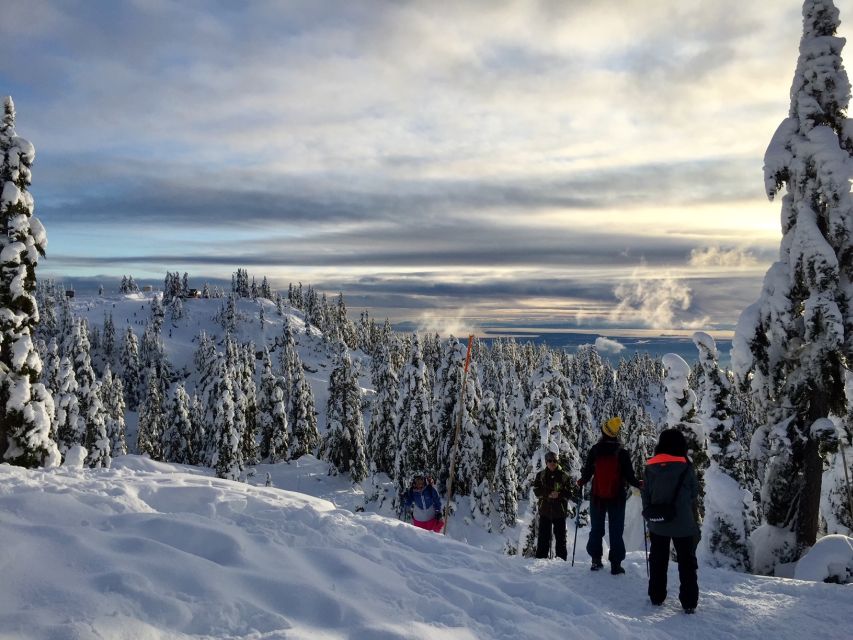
column 672, row 442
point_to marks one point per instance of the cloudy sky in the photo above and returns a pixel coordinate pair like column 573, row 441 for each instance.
column 555, row 163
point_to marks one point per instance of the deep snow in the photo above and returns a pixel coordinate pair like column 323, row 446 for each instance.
column 149, row 550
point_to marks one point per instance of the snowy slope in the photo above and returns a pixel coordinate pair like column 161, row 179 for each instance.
column 150, row 550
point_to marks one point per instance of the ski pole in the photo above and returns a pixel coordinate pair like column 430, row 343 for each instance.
column 646, row 545
column 577, row 525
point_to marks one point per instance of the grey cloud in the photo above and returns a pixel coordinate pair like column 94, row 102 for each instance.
column 219, row 199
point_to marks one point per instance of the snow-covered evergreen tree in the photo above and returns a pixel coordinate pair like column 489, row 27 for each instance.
column 227, row 458
column 112, row 397
column 70, row 426
column 305, row 437
column 343, row 445
column 506, row 466
column 469, row 468
column 245, row 376
column 26, row 408
column 51, row 368
column 413, row 414
column 130, row 372
column 382, row 433
column 837, row 499
column 108, row 341
column 151, row 422
column 272, row 415
column 445, row 415
column 550, row 420
column 97, row 441
column 791, row 346
column 730, row 513
column 681, row 414
column 177, row 432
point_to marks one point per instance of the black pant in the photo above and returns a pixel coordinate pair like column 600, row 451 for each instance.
column 543, row 542
column 685, row 548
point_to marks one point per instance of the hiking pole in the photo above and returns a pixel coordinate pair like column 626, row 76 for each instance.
column 646, row 545
column 456, row 435
column 577, row 525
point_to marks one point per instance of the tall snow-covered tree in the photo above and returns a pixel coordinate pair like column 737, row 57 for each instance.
column 272, row 415
column 176, row 439
column 305, row 437
column 97, row 440
column 681, row 414
column 447, row 391
column 26, row 408
column 413, row 415
column 227, row 458
column 70, row 426
column 151, row 422
column 469, row 469
column 382, row 433
column 112, row 397
column 730, row 513
column 506, row 467
column 792, row 345
column 343, row 445
column 130, row 373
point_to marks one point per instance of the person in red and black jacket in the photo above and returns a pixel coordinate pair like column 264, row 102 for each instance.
column 663, row 473
column 609, row 466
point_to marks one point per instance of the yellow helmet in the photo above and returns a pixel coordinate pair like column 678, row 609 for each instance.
column 612, row 426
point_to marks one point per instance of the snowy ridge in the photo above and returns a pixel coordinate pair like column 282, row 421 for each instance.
column 148, row 550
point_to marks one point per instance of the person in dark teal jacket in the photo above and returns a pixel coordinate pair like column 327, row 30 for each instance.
column 661, row 481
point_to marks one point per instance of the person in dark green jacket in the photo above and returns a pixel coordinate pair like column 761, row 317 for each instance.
column 552, row 487
column 663, row 472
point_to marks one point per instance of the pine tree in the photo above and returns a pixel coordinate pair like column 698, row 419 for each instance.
column 413, row 414
column 112, row 393
column 791, row 346
column 551, row 422
column 729, row 511
column 506, row 478
column 245, row 377
column 227, row 458
column 70, row 426
column 97, row 440
column 108, row 343
column 448, row 386
column 130, row 372
column 469, row 463
column 177, row 431
column 151, row 422
column 382, row 434
column 343, row 445
column 681, row 414
column 50, row 371
column 26, row 407
column 196, row 441
column 305, row 437
column 272, row 415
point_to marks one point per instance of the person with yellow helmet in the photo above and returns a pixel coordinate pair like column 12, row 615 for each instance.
column 608, row 465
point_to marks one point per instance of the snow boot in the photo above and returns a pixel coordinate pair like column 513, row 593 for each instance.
column 616, row 568
column 689, row 609
column 596, row 564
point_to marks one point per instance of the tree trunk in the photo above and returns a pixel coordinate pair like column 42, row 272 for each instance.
column 810, row 496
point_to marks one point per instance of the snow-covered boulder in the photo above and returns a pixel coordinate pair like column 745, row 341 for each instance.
column 829, row 560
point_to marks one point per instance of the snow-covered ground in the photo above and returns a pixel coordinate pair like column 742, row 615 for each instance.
column 148, row 550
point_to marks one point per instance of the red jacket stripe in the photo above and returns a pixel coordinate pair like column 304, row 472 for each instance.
column 663, row 458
